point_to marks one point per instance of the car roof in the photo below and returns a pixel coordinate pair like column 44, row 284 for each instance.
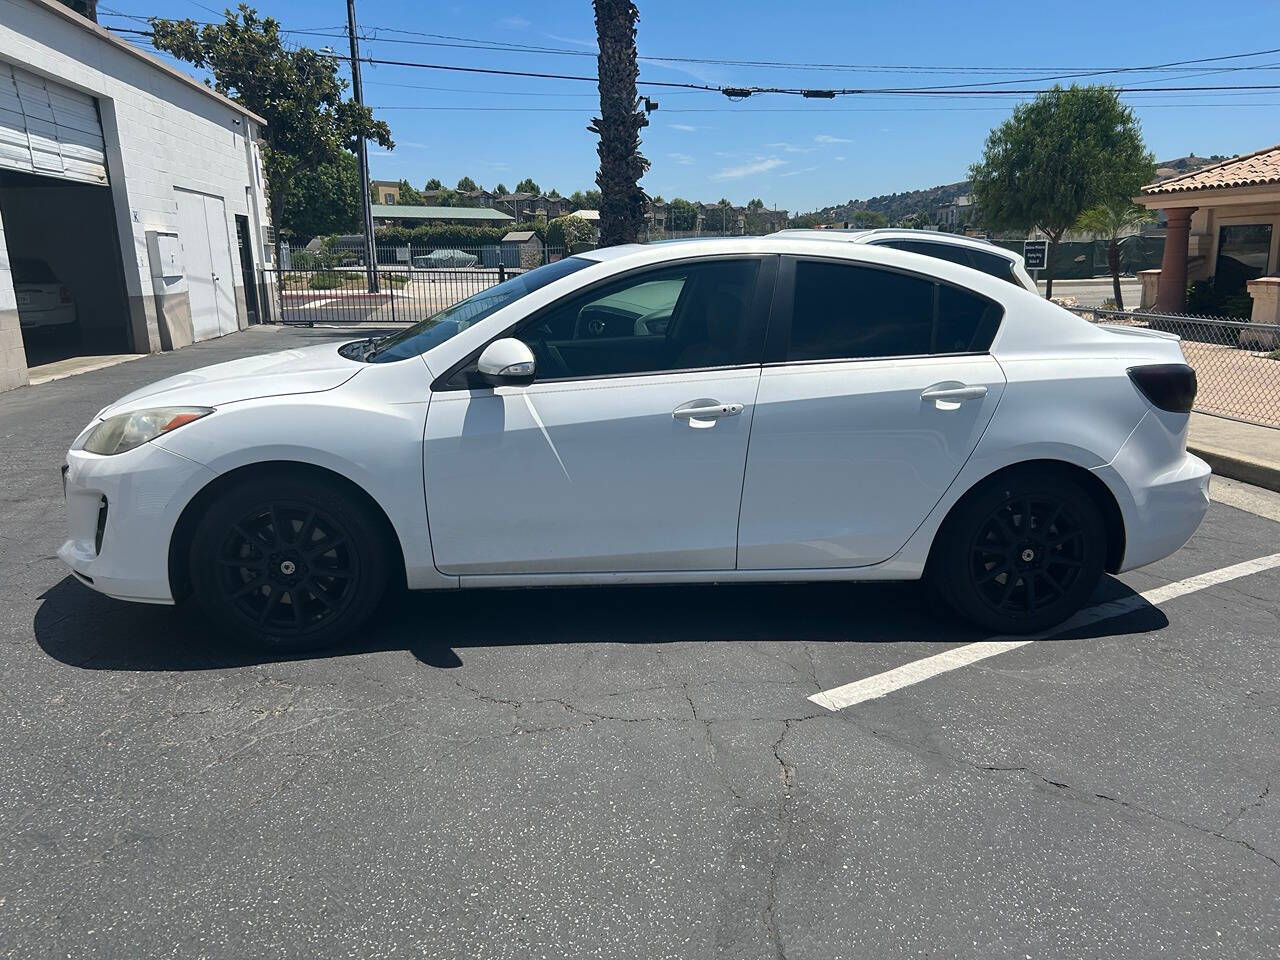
column 903, row 233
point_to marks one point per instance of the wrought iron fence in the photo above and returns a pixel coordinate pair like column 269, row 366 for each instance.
column 1237, row 363
column 332, row 287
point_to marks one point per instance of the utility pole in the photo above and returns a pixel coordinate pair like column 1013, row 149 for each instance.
column 362, row 154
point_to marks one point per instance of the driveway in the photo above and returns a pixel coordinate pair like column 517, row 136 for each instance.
column 634, row 772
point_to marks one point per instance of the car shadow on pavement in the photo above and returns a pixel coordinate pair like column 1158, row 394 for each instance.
column 84, row 629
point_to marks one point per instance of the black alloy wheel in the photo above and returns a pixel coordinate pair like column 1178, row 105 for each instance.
column 291, row 560
column 288, row 567
column 1021, row 552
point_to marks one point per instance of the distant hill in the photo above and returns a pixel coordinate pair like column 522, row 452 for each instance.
column 896, row 206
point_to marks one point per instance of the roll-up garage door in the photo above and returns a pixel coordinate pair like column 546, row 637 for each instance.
column 49, row 129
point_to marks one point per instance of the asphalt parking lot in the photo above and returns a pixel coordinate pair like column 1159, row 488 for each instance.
column 634, row 772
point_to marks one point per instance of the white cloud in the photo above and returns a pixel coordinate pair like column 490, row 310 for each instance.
column 840, row 158
column 760, row 165
column 828, row 138
column 687, row 128
column 796, row 173
column 514, row 23
column 683, row 159
column 791, row 147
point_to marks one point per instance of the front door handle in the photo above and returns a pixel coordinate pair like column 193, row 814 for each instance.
column 704, row 412
column 953, row 391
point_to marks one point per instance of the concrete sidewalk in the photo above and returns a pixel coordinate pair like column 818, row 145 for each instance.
column 1241, row 451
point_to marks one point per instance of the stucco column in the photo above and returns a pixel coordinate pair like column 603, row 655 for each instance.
column 1171, row 297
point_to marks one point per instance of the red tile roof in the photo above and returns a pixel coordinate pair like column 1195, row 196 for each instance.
column 1262, row 166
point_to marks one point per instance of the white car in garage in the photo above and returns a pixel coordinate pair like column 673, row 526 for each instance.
column 747, row 409
column 43, row 301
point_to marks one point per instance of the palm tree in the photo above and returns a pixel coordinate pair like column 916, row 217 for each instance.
column 1107, row 221
column 622, row 202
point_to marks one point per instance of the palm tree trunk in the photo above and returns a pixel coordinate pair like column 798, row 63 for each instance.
column 1113, row 264
column 622, row 202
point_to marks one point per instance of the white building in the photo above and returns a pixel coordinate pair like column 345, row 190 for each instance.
column 132, row 198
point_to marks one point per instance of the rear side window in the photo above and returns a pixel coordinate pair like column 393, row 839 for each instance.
column 989, row 263
column 996, row 266
column 846, row 312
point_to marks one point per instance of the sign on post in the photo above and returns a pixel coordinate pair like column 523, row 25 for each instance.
column 1035, row 253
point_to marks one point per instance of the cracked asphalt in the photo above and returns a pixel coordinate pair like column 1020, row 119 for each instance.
column 626, row 772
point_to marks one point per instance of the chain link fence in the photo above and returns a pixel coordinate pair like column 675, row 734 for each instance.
column 1237, row 363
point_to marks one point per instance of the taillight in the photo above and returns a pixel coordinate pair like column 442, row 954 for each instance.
column 1169, row 386
column 64, row 294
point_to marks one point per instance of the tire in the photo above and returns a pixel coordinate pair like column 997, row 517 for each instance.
column 1021, row 553
column 289, row 562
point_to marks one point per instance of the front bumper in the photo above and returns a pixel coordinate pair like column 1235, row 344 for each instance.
column 121, row 513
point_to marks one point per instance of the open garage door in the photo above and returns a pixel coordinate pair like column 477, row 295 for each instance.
column 49, row 129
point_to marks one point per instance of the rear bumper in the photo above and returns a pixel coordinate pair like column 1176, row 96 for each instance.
column 30, row 318
column 144, row 492
column 1162, row 490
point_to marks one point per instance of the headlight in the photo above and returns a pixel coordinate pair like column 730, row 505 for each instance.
column 128, row 430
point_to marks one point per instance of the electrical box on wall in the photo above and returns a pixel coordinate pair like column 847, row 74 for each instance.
column 165, row 253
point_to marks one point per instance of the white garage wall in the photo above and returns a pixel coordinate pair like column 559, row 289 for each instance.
column 161, row 133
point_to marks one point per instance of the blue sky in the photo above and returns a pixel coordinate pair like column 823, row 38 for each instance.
column 792, row 153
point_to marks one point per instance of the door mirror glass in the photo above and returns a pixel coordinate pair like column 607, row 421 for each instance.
column 506, row 362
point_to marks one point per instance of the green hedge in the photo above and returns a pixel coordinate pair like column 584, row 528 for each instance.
column 448, row 235
column 566, row 231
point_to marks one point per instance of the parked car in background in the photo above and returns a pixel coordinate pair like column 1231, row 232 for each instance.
column 43, row 301
column 748, row 409
column 445, row 258
column 981, row 255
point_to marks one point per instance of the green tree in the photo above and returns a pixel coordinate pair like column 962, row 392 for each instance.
column 1107, row 221
column 553, row 193
column 803, row 220
column 448, row 198
column 324, row 200
column 528, row 185
column 434, row 184
column 1066, row 151
column 411, row 196
column 681, row 215
column 466, row 183
column 585, row 200
column 297, row 91
column 623, row 202
column 868, row 220
column 501, row 188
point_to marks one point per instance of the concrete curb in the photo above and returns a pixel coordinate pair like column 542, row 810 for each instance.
column 1239, row 468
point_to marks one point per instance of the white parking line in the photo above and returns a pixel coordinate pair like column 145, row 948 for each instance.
column 869, row 688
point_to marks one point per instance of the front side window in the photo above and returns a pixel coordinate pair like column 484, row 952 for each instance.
column 676, row 318
column 847, row 312
column 449, row 322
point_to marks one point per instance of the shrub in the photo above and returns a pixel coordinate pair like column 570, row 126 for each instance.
column 566, row 231
column 326, row 280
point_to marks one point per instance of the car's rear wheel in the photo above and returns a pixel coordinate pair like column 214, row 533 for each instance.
column 288, row 563
column 1022, row 553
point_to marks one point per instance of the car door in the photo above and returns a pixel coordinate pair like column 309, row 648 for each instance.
column 627, row 451
column 876, row 388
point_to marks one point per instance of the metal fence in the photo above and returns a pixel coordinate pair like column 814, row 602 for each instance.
column 332, row 287
column 1237, row 363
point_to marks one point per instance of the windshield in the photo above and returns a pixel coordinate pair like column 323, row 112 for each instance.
column 450, row 321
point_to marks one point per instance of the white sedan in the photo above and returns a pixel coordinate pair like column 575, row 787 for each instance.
column 748, row 409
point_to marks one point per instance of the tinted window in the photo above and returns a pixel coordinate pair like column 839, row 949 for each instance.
column 939, row 251
column 995, row 265
column 855, row 312
column 679, row 318
column 848, row 312
column 967, row 323
column 450, row 321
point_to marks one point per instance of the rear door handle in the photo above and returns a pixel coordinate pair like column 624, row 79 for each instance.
column 953, row 391
column 703, row 409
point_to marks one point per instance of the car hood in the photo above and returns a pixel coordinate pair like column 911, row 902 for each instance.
column 306, row 370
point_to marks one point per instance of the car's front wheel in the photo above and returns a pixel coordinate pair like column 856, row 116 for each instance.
column 1022, row 553
column 289, row 562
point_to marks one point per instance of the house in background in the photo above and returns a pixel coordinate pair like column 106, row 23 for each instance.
column 385, row 191
column 1223, row 223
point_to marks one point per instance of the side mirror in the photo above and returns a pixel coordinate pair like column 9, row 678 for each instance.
column 506, row 362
